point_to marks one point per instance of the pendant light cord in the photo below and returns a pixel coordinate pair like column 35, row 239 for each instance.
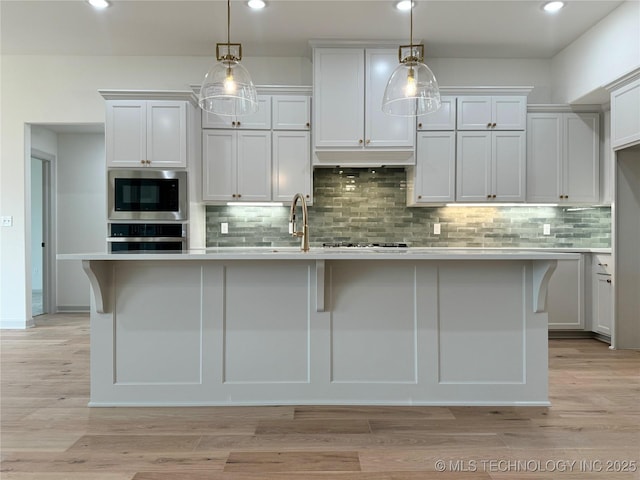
column 228, row 27
column 411, row 29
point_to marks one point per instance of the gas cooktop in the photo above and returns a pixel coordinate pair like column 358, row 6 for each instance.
column 365, row 245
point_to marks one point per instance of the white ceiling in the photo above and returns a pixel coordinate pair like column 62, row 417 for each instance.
column 449, row 28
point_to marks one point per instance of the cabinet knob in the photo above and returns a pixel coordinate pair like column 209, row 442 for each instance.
column 419, row 197
column 308, row 124
column 239, row 195
column 308, row 196
column 368, row 141
column 493, row 196
column 493, row 125
column 489, row 125
column 360, row 141
column 603, row 264
column 142, row 162
column 420, row 125
column 488, row 196
column 233, row 195
column 608, row 280
column 238, row 124
column 148, row 162
column 233, row 123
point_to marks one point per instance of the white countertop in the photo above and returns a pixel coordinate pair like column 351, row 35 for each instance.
column 343, row 253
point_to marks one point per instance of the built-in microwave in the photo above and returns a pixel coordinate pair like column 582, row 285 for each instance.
column 147, row 195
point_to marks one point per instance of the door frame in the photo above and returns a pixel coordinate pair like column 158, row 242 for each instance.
column 48, row 227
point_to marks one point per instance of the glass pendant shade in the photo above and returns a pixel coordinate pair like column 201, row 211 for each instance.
column 412, row 90
column 227, row 89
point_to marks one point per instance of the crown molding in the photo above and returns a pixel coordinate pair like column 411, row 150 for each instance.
column 563, row 108
column 181, row 95
column 520, row 90
column 624, row 79
column 271, row 89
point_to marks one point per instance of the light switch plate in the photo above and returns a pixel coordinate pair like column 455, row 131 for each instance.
column 7, row 221
column 224, row 228
column 436, row 229
column 546, row 229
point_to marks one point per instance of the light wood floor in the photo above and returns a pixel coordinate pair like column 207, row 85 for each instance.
column 48, row 433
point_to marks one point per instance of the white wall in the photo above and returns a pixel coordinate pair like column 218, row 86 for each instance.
column 80, row 213
column 607, row 51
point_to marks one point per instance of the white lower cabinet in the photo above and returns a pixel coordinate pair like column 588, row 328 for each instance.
column 602, row 294
column 433, row 179
column 236, row 166
column 491, row 166
column 291, row 166
column 565, row 297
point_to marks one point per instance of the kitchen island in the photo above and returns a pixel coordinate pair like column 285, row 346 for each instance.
column 263, row 326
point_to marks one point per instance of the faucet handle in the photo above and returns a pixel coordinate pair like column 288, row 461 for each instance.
column 291, row 228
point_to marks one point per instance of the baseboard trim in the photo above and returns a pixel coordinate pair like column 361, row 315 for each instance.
column 578, row 334
column 73, row 309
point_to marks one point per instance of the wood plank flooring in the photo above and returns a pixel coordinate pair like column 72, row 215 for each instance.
column 49, row 433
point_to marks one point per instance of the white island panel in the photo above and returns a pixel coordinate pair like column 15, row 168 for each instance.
column 266, row 326
column 373, row 322
column 480, row 336
column 158, row 332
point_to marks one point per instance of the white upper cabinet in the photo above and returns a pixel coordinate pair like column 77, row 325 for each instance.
column 492, row 112
column 491, row 167
column 442, row 119
column 146, row 133
column 291, row 165
column 563, row 157
column 349, row 85
column 434, row 178
column 625, row 114
column 261, row 120
column 236, row 166
column 291, row 112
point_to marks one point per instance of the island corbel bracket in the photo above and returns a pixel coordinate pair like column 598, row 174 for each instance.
column 542, row 270
column 100, row 275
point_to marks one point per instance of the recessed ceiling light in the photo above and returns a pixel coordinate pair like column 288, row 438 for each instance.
column 405, row 5
column 256, row 4
column 99, row 4
column 553, row 7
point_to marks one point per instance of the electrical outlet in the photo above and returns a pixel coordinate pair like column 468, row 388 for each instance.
column 7, row 221
column 224, row 228
column 436, row 229
column 546, row 229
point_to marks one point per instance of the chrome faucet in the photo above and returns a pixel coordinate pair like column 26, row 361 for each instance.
column 304, row 246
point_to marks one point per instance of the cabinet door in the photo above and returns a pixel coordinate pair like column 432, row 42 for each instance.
column 508, row 166
column 219, row 165
column 382, row 130
column 565, row 296
column 291, row 112
column 126, row 133
column 474, row 113
column 625, row 115
column 509, row 113
column 435, row 167
column 473, row 166
column 167, row 134
column 254, row 166
column 602, row 303
column 338, row 83
column 544, row 157
column 291, row 166
column 261, row 120
column 442, row 119
column 581, row 158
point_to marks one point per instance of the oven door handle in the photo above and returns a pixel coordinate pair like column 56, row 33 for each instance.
column 145, row 239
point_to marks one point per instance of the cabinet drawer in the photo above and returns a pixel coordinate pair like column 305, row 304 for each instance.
column 602, row 264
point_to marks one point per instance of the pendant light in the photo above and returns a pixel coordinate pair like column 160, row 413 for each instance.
column 227, row 88
column 412, row 89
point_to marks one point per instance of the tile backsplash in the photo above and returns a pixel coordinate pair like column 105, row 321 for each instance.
column 369, row 205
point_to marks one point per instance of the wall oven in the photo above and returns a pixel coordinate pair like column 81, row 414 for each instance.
column 153, row 195
column 150, row 237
